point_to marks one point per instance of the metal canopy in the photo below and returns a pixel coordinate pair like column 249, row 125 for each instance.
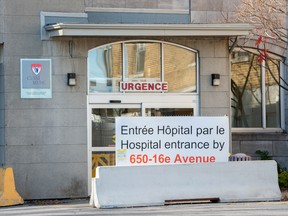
column 65, row 29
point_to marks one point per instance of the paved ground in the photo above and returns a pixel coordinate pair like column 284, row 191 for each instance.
column 81, row 207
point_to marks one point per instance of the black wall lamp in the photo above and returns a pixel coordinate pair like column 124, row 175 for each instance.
column 215, row 79
column 71, row 79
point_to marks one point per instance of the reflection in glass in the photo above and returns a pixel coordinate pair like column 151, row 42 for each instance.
column 142, row 62
column 105, row 68
column 179, row 69
column 169, row 112
column 272, row 94
column 103, row 124
column 100, row 158
column 246, row 91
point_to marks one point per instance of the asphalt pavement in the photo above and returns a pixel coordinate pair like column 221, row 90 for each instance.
column 81, row 207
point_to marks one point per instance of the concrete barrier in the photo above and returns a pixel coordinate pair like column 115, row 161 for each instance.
column 8, row 194
column 153, row 185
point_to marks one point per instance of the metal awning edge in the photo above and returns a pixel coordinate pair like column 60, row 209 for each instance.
column 225, row 29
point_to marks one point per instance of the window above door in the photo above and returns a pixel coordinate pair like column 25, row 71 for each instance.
column 142, row 66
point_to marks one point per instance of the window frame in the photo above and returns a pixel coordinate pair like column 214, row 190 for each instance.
column 264, row 127
column 162, row 72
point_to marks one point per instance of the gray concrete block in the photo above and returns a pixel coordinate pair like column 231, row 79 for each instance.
column 221, row 49
column 280, row 148
column 105, row 3
column 264, row 136
column 2, row 155
column 2, row 90
column 59, row 100
column 2, row 134
column 206, row 48
column 235, row 147
column 11, row 66
column 213, row 111
column 33, row 7
column 206, row 84
column 159, row 4
column 35, row 136
column 32, row 154
column 13, row 7
column 64, row 65
column 173, row 4
column 12, row 84
column 206, row 5
column 1, row 6
column 2, row 120
column 230, row 5
column 22, row 25
column 74, row 50
column 242, row 181
column 19, row 44
column 141, row 4
column 56, row 48
column 1, row 26
column 198, row 17
column 1, row 63
column 215, row 17
column 51, row 180
column 215, row 99
column 46, row 118
column 60, row 85
column 214, row 65
column 249, row 147
column 282, row 161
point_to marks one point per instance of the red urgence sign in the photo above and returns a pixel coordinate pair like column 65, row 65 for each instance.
column 144, row 86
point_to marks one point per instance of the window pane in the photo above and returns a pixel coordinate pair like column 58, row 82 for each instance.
column 103, row 124
column 142, row 62
column 169, row 112
column 105, row 68
column 272, row 94
column 246, row 90
column 100, row 158
column 179, row 69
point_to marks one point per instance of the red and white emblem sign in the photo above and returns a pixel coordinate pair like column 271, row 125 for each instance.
column 36, row 68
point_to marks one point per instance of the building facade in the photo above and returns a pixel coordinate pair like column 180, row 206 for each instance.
column 69, row 67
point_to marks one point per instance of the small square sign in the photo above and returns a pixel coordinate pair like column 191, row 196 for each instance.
column 36, row 78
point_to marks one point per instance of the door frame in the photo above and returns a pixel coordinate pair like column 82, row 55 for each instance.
column 141, row 101
column 90, row 149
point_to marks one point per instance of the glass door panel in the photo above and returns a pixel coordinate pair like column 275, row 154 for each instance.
column 169, row 109
column 102, row 126
column 169, row 112
column 102, row 158
column 103, row 133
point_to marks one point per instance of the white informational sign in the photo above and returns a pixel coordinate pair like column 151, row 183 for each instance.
column 171, row 140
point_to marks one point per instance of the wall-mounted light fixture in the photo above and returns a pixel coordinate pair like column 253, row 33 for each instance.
column 71, row 79
column 215, row 79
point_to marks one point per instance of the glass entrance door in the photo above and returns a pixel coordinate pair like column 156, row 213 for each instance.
column 102, row 147
column 168, row 109
column 101, row 127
